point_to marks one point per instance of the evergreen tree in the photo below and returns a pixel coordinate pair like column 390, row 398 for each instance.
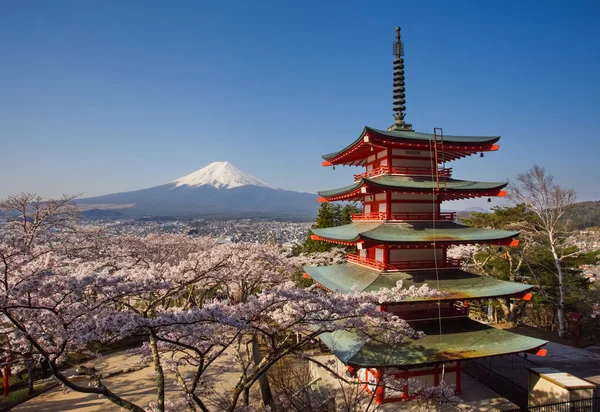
column 330, row 215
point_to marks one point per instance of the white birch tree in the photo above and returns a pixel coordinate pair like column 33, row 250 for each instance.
column 549, row 202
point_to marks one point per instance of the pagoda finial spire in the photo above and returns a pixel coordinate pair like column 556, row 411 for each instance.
column 399, row 91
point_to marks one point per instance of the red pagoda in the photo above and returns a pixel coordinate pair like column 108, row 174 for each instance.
column 402, row 234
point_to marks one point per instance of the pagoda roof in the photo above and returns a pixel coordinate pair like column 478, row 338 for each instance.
column 411, row 135
column 469, row 143
column 457, row 284
column 461, row 338
column 414, row 184
column 412, row 233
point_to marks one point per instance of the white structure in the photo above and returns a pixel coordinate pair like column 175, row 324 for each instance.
column 548, row 385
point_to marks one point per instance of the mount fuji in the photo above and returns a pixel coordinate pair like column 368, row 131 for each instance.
column 219, row 190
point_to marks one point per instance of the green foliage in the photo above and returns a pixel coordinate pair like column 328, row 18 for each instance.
column 330, row 215
column 502, row 217
column 531, row 262
column 300, row 280
column 584, row 215
column 589, row 258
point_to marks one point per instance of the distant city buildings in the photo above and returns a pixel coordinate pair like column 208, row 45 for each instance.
column 285, row 234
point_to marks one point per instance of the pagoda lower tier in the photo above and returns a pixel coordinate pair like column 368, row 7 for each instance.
column 436, row 357
column 455, row 283
column 460, row 339
column 450, row 335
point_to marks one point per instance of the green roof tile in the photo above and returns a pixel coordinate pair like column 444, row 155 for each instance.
column 405, row 134
column 458, row 284
column 414, row 183
column 421, row 232
column 418, row 136
column 461, row 338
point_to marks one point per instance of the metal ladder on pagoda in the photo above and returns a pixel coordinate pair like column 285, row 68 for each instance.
column 438, row 149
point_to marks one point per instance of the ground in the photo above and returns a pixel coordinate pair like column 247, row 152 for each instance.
column 138, row 386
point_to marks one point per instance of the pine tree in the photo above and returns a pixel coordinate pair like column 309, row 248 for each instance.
column 330, row 215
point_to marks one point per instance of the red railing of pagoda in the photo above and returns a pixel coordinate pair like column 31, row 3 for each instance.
column 420, row 264
column 421, row 171
column 446, row 216
column 372, row 263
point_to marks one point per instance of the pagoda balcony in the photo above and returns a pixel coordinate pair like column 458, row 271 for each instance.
column 370, row 263
column 410, row 171
column 411, row 265
column 405, row 216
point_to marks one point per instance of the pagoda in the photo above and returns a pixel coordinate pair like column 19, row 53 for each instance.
column 402, row 235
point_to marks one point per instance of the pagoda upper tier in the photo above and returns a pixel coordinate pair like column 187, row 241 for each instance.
column 449, row 148
column 413, row 233
column 453, row 189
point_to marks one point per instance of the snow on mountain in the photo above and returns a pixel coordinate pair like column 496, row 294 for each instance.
column 222, row 175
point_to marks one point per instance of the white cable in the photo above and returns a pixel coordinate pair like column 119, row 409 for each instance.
column 437, row 275
column 443, row 370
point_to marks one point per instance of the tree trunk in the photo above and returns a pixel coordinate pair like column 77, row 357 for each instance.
column 265, row 389
column 30, row 373
column 505, row 304
column 512, row 318
column 560, row 312
column 246, row 396
column 160, row 376
column 490, row 311
column 509, row 310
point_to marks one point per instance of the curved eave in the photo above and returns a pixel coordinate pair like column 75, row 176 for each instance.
column 461, row 339
column 454, row 147
column 456, row 284
column 375, row 233
column 426, row 137
column 342, row 191
column 451, row 188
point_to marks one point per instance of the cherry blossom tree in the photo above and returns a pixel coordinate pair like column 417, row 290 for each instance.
column 192, row 301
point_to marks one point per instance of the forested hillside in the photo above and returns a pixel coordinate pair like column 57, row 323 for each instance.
column 584, row 214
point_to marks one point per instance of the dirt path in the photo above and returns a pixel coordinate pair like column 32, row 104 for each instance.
column 137, row 387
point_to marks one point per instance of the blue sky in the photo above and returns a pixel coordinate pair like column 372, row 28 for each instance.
column 100, row 97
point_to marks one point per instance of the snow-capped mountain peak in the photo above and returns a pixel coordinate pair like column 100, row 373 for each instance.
column 222, row 175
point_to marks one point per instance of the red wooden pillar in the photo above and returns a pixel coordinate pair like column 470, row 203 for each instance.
column 5, row 373
column 379, row 391
column 458, row 378
column 388, row 204
column 386, row 254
